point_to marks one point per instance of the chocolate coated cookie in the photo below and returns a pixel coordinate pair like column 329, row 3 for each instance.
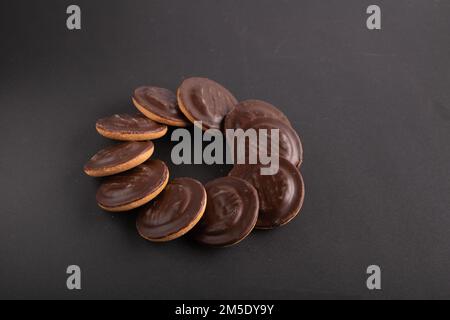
column 119, row 158
column 205, row 100
column 249, row 110
column 289, row 144
column 281, row 196
column 160, row 105
column 176, row 211
column 126, row 127
column 133, row 188
column 231, row 212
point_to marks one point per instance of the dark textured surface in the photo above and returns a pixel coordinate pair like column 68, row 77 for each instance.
column 372, row 108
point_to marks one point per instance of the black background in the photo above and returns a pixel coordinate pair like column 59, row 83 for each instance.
column 372, row 108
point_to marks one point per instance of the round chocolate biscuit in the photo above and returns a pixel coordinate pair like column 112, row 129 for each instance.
column 176, row 211
column 205, row 100
column 119, row 158
column 133, row 188
column 249, row 110
column 231, row 212
column 281, row 195
column 159, row 105
column 126, row 127
column 289, row 146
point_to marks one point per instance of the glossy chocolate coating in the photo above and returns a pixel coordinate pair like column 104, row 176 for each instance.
column 290, row 145
column 174, row 212
column 129, row 124
column 117, row 155
column 205, row 100
column 280, row 196
column 133, row 185
column 231, row 212
column 159, row 101
column 249, row 110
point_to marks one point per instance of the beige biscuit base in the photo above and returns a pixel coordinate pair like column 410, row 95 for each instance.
column 185, row 230
column 185, row 111
column 297, row 210
column 109, row 171
column 131, row 136
column 138, row 203
column 156, row 118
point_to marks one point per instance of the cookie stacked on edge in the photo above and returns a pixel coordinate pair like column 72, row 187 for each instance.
column 226, row 210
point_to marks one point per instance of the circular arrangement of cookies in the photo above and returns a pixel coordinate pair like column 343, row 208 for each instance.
column 224, row 211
